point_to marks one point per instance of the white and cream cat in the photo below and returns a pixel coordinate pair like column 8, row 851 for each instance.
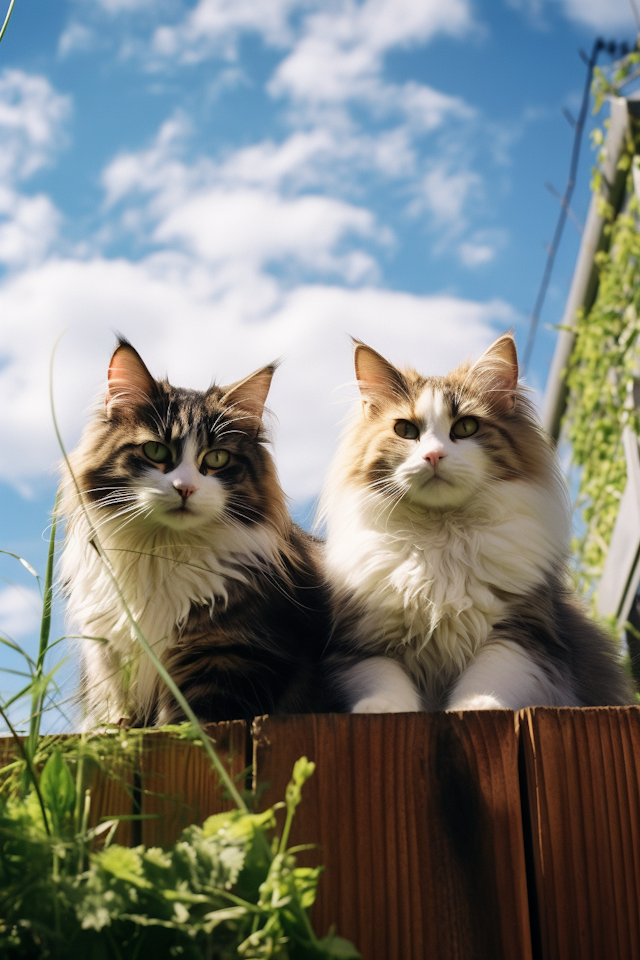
column 447, row 539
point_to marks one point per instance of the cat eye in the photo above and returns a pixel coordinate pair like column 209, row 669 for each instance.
column 406, row 430
column 216, row 459
column 466, row 427
column 156, row 452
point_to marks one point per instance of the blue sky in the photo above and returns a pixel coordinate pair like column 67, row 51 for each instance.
column 229, row 181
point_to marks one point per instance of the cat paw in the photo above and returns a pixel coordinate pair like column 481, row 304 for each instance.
column 480, row 701
column 384, row 705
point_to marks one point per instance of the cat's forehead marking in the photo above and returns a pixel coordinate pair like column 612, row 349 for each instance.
column 189, row 450
column 432, row 406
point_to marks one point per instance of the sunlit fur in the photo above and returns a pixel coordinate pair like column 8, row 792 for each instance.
column 225, row 553
column 449, row 554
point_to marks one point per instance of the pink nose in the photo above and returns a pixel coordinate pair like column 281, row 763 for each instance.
column 433, row 456
column 183, row 489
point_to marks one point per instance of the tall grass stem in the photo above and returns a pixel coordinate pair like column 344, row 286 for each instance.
column 6, row 19
column 39, row 690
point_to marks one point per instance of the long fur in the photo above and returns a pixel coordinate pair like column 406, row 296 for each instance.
column 448, row 555
column 222, row 584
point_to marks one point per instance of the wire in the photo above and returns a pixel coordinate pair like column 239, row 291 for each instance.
column 565, row 202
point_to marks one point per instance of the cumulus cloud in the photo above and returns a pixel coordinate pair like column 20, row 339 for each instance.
column 444, row 192
column 214, row 26
column 29, row 230
column 76, row 37
column 340, row 53
column 475, row 254
column 227, row 214
column 186, row 327
column 32, row 115
column 20, row 611
column 332, row 68
column 32, row 123
column 600, row 14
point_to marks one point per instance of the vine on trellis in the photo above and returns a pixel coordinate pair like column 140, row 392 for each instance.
column 605, row 361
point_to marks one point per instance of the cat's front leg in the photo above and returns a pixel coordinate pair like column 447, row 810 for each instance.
column 503, row 676
column 380, row 685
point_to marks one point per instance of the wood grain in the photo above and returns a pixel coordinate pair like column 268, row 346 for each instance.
column 419, row 825
column 583, row 777
column 178, row 786
column 112, row 795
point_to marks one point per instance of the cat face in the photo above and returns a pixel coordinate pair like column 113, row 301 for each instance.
column 158, row 456
column 434, row 442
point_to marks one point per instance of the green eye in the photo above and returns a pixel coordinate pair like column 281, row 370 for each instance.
column 216, row 459
column 406, row 430
column 466, row 427
column 157, row 452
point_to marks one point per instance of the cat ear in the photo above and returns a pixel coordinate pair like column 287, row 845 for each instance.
column 379, row 381
column 496, row 372
column 129, row 381
column 251, row 393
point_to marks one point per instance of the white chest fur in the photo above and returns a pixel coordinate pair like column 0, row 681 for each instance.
column 431, row 585
column 160, row 576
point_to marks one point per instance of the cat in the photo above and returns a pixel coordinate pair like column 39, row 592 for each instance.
column 448, row 526
column 186, row 502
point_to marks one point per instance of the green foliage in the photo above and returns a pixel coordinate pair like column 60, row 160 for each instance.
column 224, row 890
column 220, row 892
column 605, row 362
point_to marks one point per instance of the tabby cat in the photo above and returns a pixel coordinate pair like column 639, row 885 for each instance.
column 448, row 528
column 186, row 502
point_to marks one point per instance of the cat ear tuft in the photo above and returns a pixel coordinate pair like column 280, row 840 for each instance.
column 496, row 372
column 251, row 393
column 129, row 381
column 379, row 381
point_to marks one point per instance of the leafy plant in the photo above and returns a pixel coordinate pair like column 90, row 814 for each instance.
column 604, row 363
column 222, row 891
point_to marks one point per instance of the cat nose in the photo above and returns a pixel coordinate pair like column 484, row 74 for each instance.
column 433, row 456
column 184, row 489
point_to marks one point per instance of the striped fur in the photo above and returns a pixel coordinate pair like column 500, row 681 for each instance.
column 448, row 552
column 223, row 585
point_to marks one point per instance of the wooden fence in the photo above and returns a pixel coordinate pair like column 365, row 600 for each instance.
column 476, row 836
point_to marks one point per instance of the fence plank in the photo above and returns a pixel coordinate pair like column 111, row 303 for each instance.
column 583, row 776
column 111, row 796
column 419, row 823
column 178, row 786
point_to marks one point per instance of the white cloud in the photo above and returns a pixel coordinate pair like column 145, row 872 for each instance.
column 214, row 25
column 236, row 214
column 32, row 116
column 339, row 55
column 185, row 325
column 20, row 611
column 334, row 67
column 76, row 37
column 600, row 14
column 29, row 230
column 32, row 119
column 445, row 193
column 475, row 254
column 124, row 6
column 259, row 228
